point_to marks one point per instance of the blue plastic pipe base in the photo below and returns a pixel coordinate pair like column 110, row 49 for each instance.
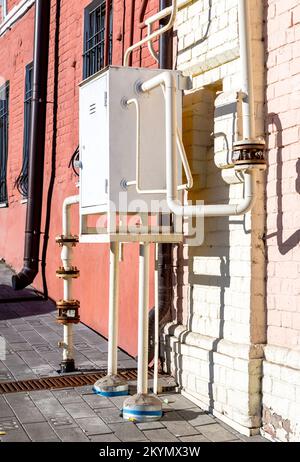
column 111, row 385
column 142, row 408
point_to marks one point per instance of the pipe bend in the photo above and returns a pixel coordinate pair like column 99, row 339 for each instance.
column 218, row 210
column 24, row 278
column 166, row 78
column 65, row 212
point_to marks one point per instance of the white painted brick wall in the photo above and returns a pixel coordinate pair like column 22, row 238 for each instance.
column 218, row 274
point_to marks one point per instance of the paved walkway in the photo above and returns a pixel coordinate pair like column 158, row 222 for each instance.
column 76, row 414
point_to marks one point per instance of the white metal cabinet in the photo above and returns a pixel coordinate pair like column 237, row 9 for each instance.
column 94, row 143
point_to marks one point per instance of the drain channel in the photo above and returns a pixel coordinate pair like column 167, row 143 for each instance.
column 48, row 383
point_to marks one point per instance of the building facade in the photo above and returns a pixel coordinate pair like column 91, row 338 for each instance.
column 234, row 340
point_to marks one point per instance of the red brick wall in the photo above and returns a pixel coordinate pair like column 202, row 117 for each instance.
column 11, row 3
column 15, row 52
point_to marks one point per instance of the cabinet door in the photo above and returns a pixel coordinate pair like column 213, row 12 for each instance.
column 94, row 143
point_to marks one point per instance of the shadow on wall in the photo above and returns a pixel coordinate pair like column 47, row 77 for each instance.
column 283, row 246
column 205, row 31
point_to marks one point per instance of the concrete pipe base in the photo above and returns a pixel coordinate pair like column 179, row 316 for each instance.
column 111, row 385
column 142, row 408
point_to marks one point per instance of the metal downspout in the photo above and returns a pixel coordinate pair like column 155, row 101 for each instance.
column 37, row 147
column 165, row 251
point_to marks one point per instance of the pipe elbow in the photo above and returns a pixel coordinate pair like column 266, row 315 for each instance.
column 24, row 278
column 246, row 205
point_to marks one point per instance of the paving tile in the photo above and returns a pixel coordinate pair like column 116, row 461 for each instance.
column 41, row 432
column 67, row 434
column 177, row 425
column 14, row 435
column 110, row 415
column 177, row 401
column 216, row 433
column 62, row 422
column 196, row 417
column 22, row 346
column 97, row 402
column 127, row 364
column 5, row 410
column 33, row 337
column 67, row 395
column 194, row 439
column 85, row 390
column 5, row 376
column 149, row 426
column 32, row 359
column 254, row 439
column 78, row 410
column 48, row 404
column 127, row 431
column 109, row 438
column 11, row 335
column 161, row 436
column 93, row 426
column 118, row 401
column 24, row 408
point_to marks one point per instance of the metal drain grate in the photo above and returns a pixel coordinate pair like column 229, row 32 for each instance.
column 64, row 381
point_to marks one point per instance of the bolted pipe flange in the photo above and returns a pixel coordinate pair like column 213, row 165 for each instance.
column 249, row 154
column 68, row 311
column 63, row 240
column 70, row 273
column 142, row 408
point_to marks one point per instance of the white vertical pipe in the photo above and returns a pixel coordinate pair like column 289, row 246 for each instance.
column 66, row 256
column 113, row 317
column 68, row 342
column 156, row 325
column 143, row 324
column 247, row 69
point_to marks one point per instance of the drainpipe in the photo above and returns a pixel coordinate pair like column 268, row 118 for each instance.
column 164, row 252
column 37, row 147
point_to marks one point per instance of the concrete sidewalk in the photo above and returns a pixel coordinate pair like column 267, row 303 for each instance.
column 76, row 414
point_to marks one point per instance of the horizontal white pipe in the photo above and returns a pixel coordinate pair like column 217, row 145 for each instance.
column 166, row 12
column 154, row 34
column 167, row 79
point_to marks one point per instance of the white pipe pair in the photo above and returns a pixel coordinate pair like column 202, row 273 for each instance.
column 168, row 81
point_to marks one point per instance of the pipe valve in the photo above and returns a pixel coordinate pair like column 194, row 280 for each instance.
column 68, row 311
column 249, row 154
column 64, row 240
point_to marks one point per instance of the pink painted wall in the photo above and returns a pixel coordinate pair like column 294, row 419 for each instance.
column 283, row 180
